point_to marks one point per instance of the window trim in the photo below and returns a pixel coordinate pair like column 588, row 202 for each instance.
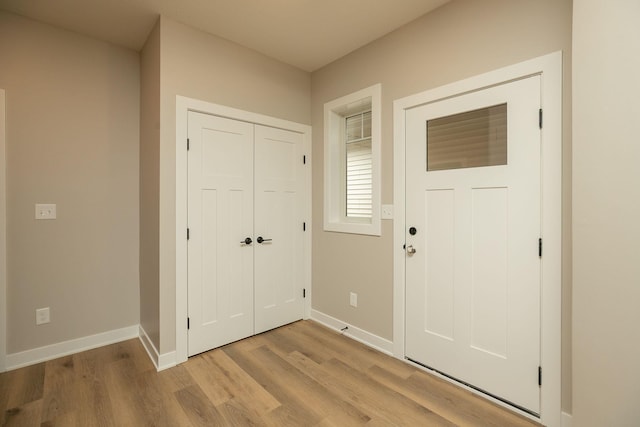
column 335, row 113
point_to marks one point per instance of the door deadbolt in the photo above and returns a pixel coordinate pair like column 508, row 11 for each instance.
column 413, row 231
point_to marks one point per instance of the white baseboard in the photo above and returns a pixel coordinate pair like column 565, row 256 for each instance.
column 160, row 361
column 53, row 351
column 381, row 344
column 567, row 420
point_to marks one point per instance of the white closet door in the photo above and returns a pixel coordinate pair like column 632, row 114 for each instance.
column 278, row 227
column 220, row 205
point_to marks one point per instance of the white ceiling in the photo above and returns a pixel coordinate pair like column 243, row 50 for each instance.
column 307, row 34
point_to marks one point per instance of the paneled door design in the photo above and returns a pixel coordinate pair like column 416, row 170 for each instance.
column 278, row 224
column 220, row 252
column 473, row 228
column 245, row 249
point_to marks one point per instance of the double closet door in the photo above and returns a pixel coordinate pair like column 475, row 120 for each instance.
column 245, row 214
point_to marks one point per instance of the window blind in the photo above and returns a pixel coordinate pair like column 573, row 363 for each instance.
column 466, row 140
column 359, row 203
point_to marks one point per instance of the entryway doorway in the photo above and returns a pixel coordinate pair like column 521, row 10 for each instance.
column 477, row 191
column 473, row 230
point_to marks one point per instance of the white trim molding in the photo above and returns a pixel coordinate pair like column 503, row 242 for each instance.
column 65, row 348
column 183, row 106
column 335, row 112
column 367, row 338
column 549, row 67
column 3, row 235
column 160, row 361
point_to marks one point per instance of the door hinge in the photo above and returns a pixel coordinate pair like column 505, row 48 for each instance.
column 188, row 323
column 304, row 160
column 540, row 376
column 187, row 144
column 187, row 234
column 304, row 293
column 540, row 248
column 304, row 226
column 540, row 118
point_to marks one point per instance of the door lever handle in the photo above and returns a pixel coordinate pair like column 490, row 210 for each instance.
column 247, row 241
column 260, row 239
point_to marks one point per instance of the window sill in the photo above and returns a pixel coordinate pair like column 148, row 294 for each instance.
column 370, row 229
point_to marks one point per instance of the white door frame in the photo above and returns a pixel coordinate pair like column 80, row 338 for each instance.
column 3, row 235
column 183, row 106
column 550, row 69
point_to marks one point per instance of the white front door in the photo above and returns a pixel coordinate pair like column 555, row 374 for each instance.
column 473, row 220
column 279, row 228
column 220, row 215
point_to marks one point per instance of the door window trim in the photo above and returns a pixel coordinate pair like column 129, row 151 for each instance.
column 334, row 209
column 549, row 67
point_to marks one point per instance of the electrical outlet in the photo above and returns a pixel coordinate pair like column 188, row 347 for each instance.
column 42, row 316
column 45, row 211
column 353, row 299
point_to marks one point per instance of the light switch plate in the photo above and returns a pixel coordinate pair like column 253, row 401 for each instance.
column 43, row 316
column 45, row 211
column 386, row 212
column 353, row 299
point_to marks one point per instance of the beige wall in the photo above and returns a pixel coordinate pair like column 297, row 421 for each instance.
column 461, row 39
column 72, row 139
column 202, row 66
column 606, row 212
column 150, row 186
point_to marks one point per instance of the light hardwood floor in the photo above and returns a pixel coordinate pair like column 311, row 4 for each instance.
column 299, row 375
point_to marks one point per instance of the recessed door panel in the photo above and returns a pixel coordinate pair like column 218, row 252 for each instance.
column 439, row 277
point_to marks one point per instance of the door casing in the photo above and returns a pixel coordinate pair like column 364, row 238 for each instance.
column 549, row 67
column 3, row 237
column 183, row 106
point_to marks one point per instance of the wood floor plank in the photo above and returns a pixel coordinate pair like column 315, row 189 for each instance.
column 245, row 389
column 381, row 401
column 59, row 390
column 205, row 376
column 161, row 407
column 25, row 385
column 68, row 419
column 376, row 401
column 287, row 340
column 126, row 404
column 198, row 408
column 453, row 403
column 26, row 415
column 325, row 402
column 348, row 350
column 239, row 414
column 297, row 409
column 176, row 378
column 300, row 375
